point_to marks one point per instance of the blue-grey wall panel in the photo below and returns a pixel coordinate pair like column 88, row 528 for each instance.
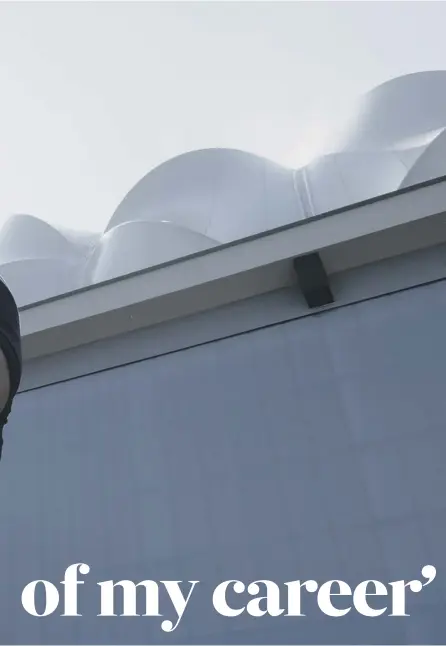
column 311, row 449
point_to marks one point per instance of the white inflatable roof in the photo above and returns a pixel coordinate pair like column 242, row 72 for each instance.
column 395, row 138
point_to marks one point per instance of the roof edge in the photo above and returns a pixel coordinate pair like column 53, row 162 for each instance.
column 398, row 223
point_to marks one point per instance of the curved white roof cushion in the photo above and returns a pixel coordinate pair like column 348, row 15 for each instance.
column 224, row 194
column 337, row 180
column 23, row 237
column 133, row 246
column 396, row 111
column 36, row 279
column 37, row 261
column 430, row 164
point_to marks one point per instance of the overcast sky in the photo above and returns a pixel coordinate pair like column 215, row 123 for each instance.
column 95, row 94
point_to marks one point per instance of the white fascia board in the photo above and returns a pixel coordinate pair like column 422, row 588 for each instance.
column 401, row 222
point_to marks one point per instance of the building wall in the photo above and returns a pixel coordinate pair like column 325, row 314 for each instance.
column 311, row 447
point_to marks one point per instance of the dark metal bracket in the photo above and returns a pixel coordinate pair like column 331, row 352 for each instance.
column 313, row 280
